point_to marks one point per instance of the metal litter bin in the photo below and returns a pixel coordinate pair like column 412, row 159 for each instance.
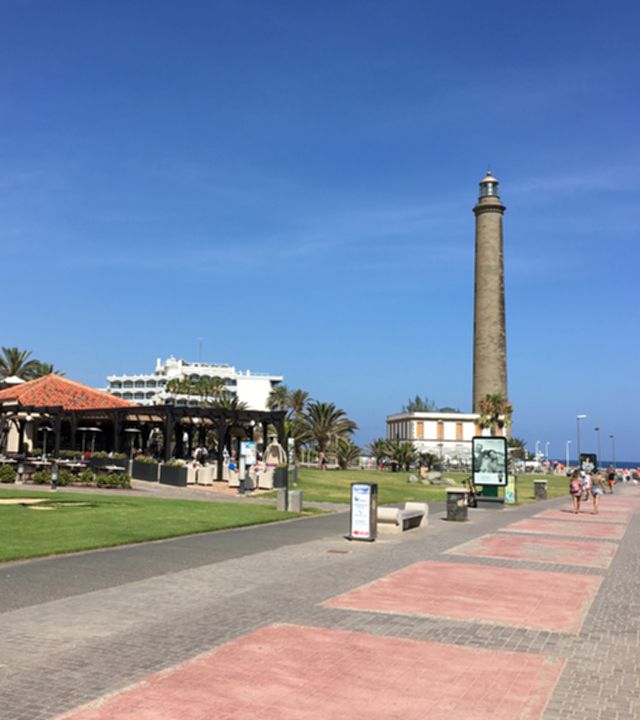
column 457, row 504
column 540, row 489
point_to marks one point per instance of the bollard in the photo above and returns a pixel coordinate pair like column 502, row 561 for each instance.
column 457, row 504
column 281, row 500
column 540, row 489
column 295, row 500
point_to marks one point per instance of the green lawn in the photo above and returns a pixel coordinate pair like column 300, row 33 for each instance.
column 83, row 521
column 334, row 486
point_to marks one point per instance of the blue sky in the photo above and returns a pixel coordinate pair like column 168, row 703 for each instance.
column 293, row 183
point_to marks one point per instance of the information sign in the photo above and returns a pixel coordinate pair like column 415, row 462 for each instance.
column 248, row 450
column 364, row 511
column 489, row 460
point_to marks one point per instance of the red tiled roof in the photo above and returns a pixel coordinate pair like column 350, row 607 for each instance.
column 54, row 390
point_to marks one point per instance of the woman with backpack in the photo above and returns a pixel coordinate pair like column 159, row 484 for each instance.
column 575, row 490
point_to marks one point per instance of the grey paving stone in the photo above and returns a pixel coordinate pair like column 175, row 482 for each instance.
column 72, row 647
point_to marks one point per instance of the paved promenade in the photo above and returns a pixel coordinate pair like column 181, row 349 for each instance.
column 528, row 612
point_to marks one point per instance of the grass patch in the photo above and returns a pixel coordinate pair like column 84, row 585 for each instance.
column 334, row 486
column 91, row 520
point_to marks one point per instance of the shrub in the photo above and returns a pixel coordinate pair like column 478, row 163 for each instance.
column 41, row 477
column 65, row 477
column 70, row 454
column 100, row 454
column 175, row 463
column 86, row 477
column 7, row 474
column 115, row 480
column 146, row 459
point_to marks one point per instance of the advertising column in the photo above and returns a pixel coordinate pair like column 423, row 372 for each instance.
column 364, row 511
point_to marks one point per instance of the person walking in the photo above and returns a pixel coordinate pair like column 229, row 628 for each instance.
column 611, row 478
column 575, row 490
column 586, row 485
column 597, row 489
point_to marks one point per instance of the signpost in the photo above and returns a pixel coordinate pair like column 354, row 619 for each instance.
column 364, row 511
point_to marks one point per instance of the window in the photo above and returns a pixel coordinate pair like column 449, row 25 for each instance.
column 127, row 384
column 139, row 396
column 139, row 383
column 116, row 384
column 458, row 431
column 440, row 430
column 128, row 396
column 151, row 383
column 420, row 430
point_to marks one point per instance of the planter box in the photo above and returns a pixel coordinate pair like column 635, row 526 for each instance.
column 280, row 477
column 173, row 475
column 144, row 471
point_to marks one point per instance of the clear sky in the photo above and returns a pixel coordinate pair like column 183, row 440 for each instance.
column 292, row 182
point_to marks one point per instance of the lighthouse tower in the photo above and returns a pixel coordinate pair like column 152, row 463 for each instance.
column 489, row 331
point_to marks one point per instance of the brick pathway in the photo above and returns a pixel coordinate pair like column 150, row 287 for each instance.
column 265, row 636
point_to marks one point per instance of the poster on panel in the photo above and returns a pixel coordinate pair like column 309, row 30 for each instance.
column 489, row 460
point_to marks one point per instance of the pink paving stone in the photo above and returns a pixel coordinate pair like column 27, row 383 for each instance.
column 585, row 514
column 304, row 673
column 480, row 593
column 543, row 550
column 579, row 528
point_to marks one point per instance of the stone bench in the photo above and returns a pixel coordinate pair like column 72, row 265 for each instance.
column 399, row 519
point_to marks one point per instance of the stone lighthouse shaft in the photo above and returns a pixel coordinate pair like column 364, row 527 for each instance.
column 489, row 330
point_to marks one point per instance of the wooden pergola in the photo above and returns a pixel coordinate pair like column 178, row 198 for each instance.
column 181, row 426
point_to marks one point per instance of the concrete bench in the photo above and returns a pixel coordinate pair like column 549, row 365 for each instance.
column 399, row 519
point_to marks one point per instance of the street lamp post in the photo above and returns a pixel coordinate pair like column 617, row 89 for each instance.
column 567, row 453
column 613, row 449
column 546, row 449
column 537, row 448
column 578, row 418
column 599, row 453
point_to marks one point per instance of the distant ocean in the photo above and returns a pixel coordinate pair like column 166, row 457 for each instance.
column 606, row 463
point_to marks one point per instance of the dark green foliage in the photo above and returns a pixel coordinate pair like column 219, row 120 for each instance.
column 114, row 480
column 41, row 477
column 7, row 474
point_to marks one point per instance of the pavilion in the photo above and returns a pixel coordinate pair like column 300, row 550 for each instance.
column 70, row 410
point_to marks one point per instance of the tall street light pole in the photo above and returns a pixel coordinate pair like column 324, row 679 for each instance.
column 578, row 418
column 537, row 448
column 599, row 454
column 546, row 449
column 613, row 449
column 567, row 453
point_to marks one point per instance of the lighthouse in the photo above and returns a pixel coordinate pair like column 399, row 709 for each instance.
column 489, row 330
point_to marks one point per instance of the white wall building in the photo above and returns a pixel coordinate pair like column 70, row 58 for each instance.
column 446, row 435
column 150, row 388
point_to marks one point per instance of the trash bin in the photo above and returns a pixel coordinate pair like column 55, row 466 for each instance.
column 457, row 504
column 540, row 489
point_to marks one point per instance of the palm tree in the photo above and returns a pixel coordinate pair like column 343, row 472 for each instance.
column 16, row 362
column 378, row 448
column 495, row 412
column 402, row 454
column 45, row 369
column 325, row 423
column 297, row 401
column 229, row 402
column 278, row 398
column 346, row 452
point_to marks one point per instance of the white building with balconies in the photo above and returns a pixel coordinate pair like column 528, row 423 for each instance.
column 151, row 388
